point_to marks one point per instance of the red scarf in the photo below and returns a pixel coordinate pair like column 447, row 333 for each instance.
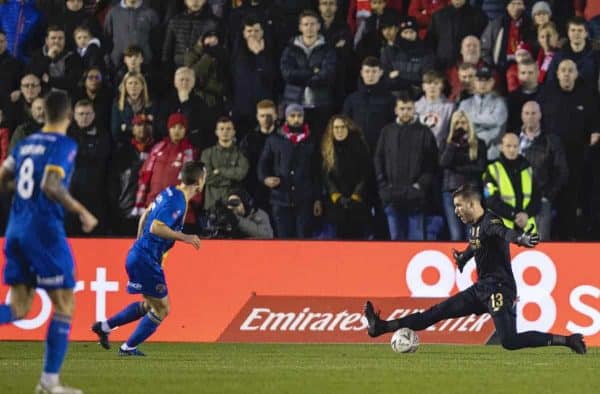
column 296, row 138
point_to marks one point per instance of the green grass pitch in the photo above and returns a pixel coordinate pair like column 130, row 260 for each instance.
column 299, row 368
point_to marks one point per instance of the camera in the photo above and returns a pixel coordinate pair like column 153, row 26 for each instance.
column 220, row 221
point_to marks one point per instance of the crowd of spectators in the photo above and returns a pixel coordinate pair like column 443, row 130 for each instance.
column 348, row 119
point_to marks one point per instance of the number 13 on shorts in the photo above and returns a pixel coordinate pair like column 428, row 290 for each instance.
column 496, row 301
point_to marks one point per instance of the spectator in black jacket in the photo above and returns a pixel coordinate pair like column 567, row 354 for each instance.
column 19, row 108
column 183, row 99
column 252, row 145
column 372, row 106
column 184, row 30
column 254, row 74
column 94, row 87
column 405, row 164
column 133, row 62
column 449, row 26
column 346, row 169
column 547, row 158
column 338, row 35
column 570, row 110
column 308, row 69
column 406, row 60
column 89, row 181
column 288, row 165
column 31, row 125
column 462, row 160
column 10, row 69
column 125, row 164
column 528, row 90
column 54, row 64
column 579, row 49
column 72, row 15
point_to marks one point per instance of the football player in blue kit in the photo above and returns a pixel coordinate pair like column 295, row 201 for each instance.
column 159, row 227
column 37, row 254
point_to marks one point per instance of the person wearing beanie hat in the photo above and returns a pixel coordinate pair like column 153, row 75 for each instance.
column 294, row 109
column 164, row 163
column 408, row 28
column 287, row 166
column 177, row 119
column 541, row 13
column 406, row 60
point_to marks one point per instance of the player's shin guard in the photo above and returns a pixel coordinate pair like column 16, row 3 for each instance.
column 7, row 314
column 132, row 312
column 57, row 341
column 147, row 326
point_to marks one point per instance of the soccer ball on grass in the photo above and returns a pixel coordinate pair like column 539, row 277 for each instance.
column 405, row 340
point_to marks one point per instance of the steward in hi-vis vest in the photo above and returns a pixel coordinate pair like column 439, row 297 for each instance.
column 509, row 187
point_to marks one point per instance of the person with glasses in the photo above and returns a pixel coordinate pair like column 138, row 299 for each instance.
column 94, row 87
column 19, row 108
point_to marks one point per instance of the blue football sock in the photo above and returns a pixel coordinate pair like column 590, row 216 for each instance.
column 143, row 331
column 7, row 315
column 132, row 312
column 57, row 341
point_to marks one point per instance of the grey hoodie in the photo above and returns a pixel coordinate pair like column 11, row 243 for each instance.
column 488, row 114
column 436, row 115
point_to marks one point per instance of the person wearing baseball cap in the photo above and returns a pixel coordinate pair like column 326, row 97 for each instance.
column 487, row 111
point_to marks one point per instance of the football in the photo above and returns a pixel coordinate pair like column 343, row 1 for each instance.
column 405, row 340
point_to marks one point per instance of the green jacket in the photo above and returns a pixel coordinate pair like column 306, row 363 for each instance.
column 232, row 168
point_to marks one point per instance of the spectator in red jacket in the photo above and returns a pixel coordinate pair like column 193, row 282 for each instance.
column 162, row 167
column 547, row 36
column 422, row 10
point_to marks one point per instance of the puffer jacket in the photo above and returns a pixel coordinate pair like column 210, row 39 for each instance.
column 302, row 84
column 182, row 33
column 411, row 59
column 21, row 21
column 297, row 166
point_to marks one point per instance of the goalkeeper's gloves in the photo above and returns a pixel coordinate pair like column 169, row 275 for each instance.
column 528, row 239
column 460, row 258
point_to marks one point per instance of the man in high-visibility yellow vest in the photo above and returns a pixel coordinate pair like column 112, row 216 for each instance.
column 509, row 187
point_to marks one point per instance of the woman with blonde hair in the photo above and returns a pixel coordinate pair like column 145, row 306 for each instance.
column 346, row 168
column 463, row 160
column 547, row 37
column 133, row 100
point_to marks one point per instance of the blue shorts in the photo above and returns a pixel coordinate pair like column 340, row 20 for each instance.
column 43, row 259
column 146, row 276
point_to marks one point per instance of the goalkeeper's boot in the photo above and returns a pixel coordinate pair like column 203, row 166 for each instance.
column 131, row 352
column 102, row 336
column 56, row 389
column 375, row 326
column 577, row 344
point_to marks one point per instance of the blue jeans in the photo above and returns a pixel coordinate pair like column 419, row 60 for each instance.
column 402, row 224
column 458, row 230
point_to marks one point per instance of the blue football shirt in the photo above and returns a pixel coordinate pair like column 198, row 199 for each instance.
column 169, row 207
column 29, row 160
